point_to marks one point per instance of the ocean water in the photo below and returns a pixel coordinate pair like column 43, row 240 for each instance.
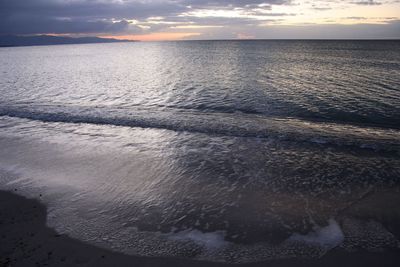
column 233, row 151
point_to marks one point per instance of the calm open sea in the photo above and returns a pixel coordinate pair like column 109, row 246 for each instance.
column 231, row 151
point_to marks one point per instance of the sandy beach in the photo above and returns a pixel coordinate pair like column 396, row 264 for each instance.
column 27, row 241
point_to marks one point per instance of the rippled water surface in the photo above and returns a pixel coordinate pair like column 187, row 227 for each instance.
column 231, row 151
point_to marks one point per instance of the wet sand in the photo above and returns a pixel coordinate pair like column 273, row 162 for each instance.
column 25, row 240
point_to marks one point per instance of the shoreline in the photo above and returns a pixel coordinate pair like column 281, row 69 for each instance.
column 27, row 241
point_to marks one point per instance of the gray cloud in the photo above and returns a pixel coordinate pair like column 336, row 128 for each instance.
column 86, row 16
column 113, row 17
column 327, row 31
column 79, row 16
column 368, row 3
column 233, row 3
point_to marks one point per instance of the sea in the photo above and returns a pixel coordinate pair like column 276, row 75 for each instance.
column 227, row 151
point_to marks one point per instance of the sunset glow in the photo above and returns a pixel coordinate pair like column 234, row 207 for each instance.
column 162, row 36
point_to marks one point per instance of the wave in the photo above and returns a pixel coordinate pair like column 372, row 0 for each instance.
column 329, row 236
column 228, row 124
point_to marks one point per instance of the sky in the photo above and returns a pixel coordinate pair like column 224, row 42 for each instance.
column 155, row 20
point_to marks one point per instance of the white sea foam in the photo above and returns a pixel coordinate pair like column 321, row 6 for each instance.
column 327, row 237
column 211, row 240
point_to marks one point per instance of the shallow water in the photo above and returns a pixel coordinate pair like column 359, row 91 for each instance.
column 221, row 150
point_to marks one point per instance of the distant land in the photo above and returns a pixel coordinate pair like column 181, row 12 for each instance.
column 15, row 40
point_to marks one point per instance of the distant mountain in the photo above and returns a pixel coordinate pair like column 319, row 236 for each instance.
column 14, row 40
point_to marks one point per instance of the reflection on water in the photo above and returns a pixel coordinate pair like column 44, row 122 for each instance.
column 225, row 151
column 337, row 81
column 159, row 192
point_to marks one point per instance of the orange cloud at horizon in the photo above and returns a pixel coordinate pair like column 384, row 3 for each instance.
column 161, row 36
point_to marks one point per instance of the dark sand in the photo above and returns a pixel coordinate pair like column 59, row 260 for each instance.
column 25, row 240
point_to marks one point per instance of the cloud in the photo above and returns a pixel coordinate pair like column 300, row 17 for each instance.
column 99, row 16
column 367, row 3
column 78, row 16
column 391, row 30
column 221, row 4
column 233, row 18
